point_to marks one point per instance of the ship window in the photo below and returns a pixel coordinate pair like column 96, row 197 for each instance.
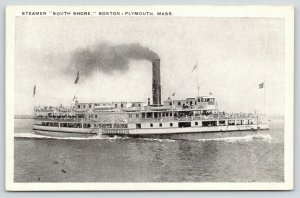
column 171, row 124
column 160, row 124
column 179, row 103
column 95, row 116
column 231, row 122
column 90, row 106
column 136, row 115
column 198, row 99
column 196, row 123
column 239, row 122
column 209, row 123
column 222, row 122
column 151, row 125
column 184, row 124
column 79, row 106
column 170, row 103
column 130, row 116
column 122, row 105
column 138, row 126
column 83, row 106
column 116, row 105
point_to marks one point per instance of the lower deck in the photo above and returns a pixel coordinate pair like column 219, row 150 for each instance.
column 181, row 127
column 189, row 129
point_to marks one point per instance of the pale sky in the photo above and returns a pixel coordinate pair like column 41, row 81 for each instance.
column 234, row 55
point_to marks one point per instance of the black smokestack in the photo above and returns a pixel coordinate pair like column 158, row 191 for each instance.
column 156, row 88
column 107, row 58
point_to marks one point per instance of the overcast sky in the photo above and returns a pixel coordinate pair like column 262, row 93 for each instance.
column 234, row 55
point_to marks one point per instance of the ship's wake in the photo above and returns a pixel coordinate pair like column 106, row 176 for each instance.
column 247, row 138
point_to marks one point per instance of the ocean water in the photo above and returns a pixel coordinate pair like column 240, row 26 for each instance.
column 229, row 159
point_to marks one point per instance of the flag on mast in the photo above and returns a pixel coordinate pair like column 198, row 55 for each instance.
column 195, row 67
column 34, row 90
column 77, row 77
column 261, row 85
column 173, row 94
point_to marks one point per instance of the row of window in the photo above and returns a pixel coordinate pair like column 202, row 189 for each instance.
column 171, row 124
column 194, row 102
column 160, row 125
column 213, row 123
column 84, row 106
column 93, row 116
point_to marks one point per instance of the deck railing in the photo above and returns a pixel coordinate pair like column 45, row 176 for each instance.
column 66, row 119
column 157, row 119
column 190, row 118
column 115, row 131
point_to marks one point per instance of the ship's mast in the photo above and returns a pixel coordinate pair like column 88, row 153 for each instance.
column 198, row 87
column 265, row 106
column 196, row 67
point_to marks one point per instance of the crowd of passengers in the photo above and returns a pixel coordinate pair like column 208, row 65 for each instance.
column 59, row 116
column 52, row 108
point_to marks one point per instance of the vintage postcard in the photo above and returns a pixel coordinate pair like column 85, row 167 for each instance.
column 149, row 98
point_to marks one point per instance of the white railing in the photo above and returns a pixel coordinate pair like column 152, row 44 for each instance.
column 115, row 131
column 190, row 118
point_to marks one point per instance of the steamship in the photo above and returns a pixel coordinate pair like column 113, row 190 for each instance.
column 195, row 116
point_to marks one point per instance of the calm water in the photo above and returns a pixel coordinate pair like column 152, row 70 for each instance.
column 148, row 160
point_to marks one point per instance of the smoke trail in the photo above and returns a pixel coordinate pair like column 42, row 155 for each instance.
column 108, row 58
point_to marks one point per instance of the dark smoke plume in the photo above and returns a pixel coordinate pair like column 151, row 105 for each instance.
column 108, row 58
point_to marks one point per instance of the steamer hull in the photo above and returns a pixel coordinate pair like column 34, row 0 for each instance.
column 64, row 131
column 227, row 135
column 192, row 132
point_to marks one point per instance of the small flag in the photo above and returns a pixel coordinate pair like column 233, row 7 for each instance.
column 34, row 90
column 195, row 67
column 77, row 77
column 173, row 94
column 261, row 85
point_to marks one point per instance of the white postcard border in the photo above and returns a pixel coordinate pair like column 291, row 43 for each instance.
column 286, row 12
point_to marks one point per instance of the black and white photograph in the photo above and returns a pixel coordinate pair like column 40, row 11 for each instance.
column 149, row 98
